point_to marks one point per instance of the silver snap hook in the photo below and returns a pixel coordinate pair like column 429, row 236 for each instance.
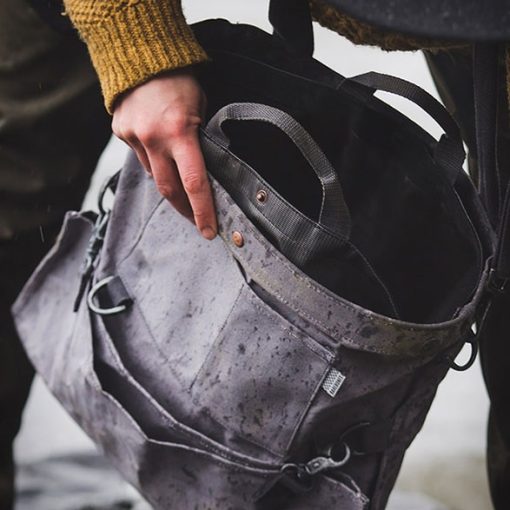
column 320, row 464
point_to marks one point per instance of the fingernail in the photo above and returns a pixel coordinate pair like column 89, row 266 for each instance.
column 208, row 233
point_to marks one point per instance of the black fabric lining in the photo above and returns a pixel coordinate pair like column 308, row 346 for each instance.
column 407, row 219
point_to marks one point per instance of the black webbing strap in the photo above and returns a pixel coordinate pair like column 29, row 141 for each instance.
column 485, row 86
column 449, row 151
column 485, row 80
column 292, row 22
column 501, row 262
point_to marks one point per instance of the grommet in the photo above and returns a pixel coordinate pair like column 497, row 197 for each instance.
column 261, row 196
column 238, row 239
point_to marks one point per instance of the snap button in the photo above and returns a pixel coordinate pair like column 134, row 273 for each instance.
column 238, row 239
column 261, row 196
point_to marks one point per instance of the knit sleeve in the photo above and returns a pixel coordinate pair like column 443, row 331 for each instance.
column 130, row 41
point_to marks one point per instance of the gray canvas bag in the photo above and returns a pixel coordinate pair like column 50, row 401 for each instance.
column 208, row 394
column 221, row 374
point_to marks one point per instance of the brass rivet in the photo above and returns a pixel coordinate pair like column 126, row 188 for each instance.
column 261, row 196
column 238, row 239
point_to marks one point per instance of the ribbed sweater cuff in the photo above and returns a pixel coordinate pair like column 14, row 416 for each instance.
column 134, row 40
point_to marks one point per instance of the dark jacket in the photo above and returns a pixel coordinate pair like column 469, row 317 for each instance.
column 473, row 20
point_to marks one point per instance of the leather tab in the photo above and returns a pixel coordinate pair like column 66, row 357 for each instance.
column 114, row 294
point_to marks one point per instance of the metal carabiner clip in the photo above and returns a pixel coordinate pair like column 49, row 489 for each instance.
column 324, row 463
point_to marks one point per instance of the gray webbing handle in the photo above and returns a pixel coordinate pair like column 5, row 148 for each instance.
column 334, row 213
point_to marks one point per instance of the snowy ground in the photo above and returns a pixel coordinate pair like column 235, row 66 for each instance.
column 444, row 468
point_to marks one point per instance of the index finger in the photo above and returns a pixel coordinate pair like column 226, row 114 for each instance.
column 188, row 157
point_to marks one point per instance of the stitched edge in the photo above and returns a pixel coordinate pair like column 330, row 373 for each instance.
column 192, row 434
column 275, row 319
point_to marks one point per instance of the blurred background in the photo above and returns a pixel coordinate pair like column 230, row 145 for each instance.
column 445, row 467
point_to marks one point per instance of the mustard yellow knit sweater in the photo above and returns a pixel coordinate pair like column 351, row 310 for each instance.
column 131, row 41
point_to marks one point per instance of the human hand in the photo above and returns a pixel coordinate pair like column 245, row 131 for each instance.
column 159, row 120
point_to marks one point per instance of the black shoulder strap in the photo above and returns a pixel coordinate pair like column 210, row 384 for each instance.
column 292, row 22
column 501, row 262
column 492, row 188
column 485, row 84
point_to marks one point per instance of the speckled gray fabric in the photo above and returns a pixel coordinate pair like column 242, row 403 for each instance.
column 212, row 380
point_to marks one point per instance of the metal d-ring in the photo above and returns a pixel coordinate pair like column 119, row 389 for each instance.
column 92, row 293
column 473, row 341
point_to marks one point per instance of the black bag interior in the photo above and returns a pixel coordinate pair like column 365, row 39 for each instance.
column 408, row 221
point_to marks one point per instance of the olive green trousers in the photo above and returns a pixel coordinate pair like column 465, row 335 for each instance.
column 53, row 127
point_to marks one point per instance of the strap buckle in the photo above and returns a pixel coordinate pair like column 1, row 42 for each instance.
column 97, row 238
column 496, row 284
column 93, row 248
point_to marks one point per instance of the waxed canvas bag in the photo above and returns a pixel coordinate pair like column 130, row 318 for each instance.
column 269, row 369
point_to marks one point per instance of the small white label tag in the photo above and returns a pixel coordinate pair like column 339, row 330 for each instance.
column 333, row 382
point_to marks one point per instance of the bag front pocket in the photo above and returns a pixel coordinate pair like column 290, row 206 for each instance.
column 175, row 466
column 260, row 376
